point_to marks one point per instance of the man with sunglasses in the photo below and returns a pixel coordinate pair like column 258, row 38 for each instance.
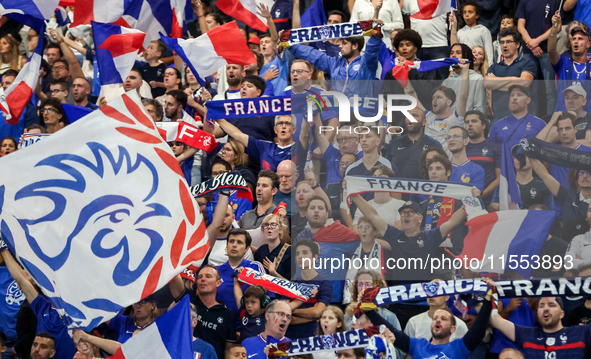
column 277, row 319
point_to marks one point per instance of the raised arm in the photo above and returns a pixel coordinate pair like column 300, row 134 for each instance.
column 75, row 69
column 553, row 38
column 453, row 222
column 219, row 214
column 189, row 152
column 318, row 191
column 110, row 346
column 263, row 11
column 542, row 172
column 371, row 213
column 549, row 133
column 17, row 273
column 464, row 92
column 478, row 329
column 296, row 22
column 233, row 132
column 453, row 23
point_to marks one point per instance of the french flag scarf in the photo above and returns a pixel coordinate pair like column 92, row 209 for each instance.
column 293, row 290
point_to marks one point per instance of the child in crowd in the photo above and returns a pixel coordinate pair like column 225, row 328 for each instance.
column 153, row 69
column 332, row 321
column 506, row 22
column 252, row 309
column 472, row 34
column 184, row 156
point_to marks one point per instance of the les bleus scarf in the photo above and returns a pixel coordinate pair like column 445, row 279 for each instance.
column 224, row 182
column 379, row 297
column 351, row 339
column 554, row 154
column 298, row 291
column 462, row 192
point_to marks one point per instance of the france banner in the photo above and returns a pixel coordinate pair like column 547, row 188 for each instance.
column 99, row 213
column 249, row 107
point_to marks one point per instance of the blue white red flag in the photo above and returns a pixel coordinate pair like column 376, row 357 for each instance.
column 212, row 50
column 501, row 239
column 246, row 11
column 61, row 15
column 112, row 208
column 20, row 92
column 41, row 9
column 313, row 15
column 400, row 71
column 509, row 194
column 106, row 11
column 170, row 337
column 75, row 112
column 429, row 9
column 116, row 50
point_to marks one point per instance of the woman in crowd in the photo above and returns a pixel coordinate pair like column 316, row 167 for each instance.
column 10, row 55
column 197, row 95
column 8, row 145
column 332, row 321
column 481, row 66
column 233, row 153
column 476, row 96
column 275, row 254
column 184, row 156
column 389, row 14
column 52, row 115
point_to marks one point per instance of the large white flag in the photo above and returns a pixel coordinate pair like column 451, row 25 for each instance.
column 99, row 213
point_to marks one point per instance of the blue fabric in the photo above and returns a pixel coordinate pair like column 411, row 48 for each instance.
column 124, row 326
column 538, row 18
column 487, row 155
column 539, row 340
column 240, row 205
column 331, row 159
column 314, row 15
column 203, row 350
column 468, row 172
column 569, row 75
column 561, row 173
column 421, row 348
column 255, row 346
column 10, row 303
column 522, row 315
column 225, row 291
column 345, row 77
column 502, row 130
column 279, row 82
column 281, row 12
column 269, row 153
column 48, row 320
column 324, row 295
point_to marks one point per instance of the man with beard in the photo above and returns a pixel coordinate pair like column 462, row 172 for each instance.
column 277, row 319
column 304, row 191
column 520, row 123
column 405, row 151
column 267, row 186
column 174, row 104
column 336, row 241
column 43, row 346
column 81, row 90
column 551, row 339
column 233, row 77
column 575, row 100
column 286, row 170
column 483, row 152
column 573, row 69
column 464, row 170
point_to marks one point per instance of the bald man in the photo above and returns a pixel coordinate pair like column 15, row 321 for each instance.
column 286, row 170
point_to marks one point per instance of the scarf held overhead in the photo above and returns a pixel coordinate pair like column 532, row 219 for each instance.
column 462, row 192
column 380, row 297
column 299, row 291
column 249, row 107
column 330, row 342
column 328, row 32
column 224, row 182
column 554, row 154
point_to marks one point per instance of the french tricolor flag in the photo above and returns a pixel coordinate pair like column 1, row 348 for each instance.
column 509, row 194
column 169, row 337
column 42, row 9
column 430, row 9
column 61, row 15
column 498, row 239
column 106, row 11
column 20, row 92
column 212, row 50
column 246, row 11
column 116, row 50
column 400, row 72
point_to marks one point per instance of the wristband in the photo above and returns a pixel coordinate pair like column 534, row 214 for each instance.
column 317, row 185
column 178, row 299
column 225, row 193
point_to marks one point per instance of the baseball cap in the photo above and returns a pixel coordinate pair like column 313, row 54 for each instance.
column 523, row 89
column 579, row 90
column 576, row 29
column 412, row 205
column 254, row 40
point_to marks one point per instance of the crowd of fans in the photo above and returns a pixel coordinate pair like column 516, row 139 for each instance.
column 523, row 72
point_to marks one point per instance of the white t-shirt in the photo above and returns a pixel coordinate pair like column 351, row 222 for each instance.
column 433, row 31
column 438, row 128
column 218, row 255
column 388, row 211
column 419, row 326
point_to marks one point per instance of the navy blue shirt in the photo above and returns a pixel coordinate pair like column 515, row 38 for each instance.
column 262, row 127
column 500, row 99
column 124, row 326
column 203, row 350
column 153, row 73
column 567, row 343
column 487, row 155
column 332, row 159
column 406, row 154
column 538, row 18
column 324, row 295
column 226, row 289
column 328, row 48
column 284, row 267
column 251, row 326
column 281, row 12
column 269, row 154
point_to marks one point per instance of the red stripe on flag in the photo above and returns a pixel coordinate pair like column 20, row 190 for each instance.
column 83, row 12
column 118, row 354
column 235, row 9
column 486, row 159
column 427, row 8
column 123, row 43
column 137, row 112
column 153, row 278
column 18, row 100
column 177, row 244
column 475, row 241
column 177, row 28
column 228, row 42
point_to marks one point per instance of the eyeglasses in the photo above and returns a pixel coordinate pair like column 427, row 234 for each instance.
column 507, row 42
column 407, row 213
column 283, row 315
column 364, row 284
column 271, row 225
column 584, row 173
column 454, row 137
column 345, row 164
column 283, row 123
column 345, row 139
column 58, row 68
column 56, row 91
column 48, row 110
column 226, row 150
column 298, row 71
column 365, row 226
column 217, row 173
